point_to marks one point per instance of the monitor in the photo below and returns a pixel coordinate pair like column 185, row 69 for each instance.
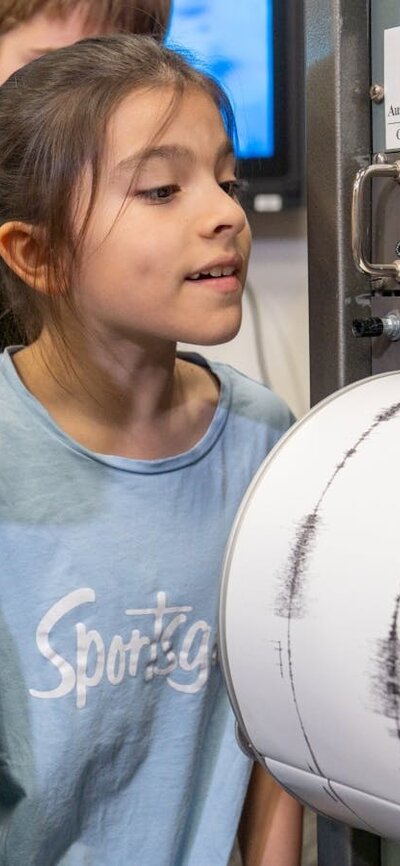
column 255, row 50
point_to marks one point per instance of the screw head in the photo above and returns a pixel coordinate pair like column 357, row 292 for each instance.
column 380, row 159
column 377, row 93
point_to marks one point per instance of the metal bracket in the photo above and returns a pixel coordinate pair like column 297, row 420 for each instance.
column 339, row 845
column 373, row 269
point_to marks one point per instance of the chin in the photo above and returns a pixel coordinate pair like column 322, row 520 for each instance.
column 215, row 336
column 223, row 338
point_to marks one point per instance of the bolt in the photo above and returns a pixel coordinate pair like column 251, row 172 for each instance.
column 377, row 93
column 380, row 159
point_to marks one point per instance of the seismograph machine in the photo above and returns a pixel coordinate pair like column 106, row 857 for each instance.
column 310, row 603
column 311, row 648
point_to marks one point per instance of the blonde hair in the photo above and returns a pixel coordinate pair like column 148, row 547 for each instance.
column 128, row 16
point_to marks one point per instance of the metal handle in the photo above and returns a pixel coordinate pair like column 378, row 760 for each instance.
column 357, row 233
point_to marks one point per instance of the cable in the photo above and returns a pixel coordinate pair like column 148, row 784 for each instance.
column 256, row 317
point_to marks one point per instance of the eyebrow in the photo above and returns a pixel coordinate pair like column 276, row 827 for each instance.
column 168, row 152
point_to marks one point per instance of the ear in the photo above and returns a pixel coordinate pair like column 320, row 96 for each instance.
column 23, row 250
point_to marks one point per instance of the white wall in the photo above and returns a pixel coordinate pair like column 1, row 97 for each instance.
column 278, row 276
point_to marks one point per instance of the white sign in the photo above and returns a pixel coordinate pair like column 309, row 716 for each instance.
column 392, row 88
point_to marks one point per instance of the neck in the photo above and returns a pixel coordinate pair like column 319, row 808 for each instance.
column 132, row 400
column 122, row 382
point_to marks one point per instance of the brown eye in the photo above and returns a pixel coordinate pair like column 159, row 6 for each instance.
column 159, row 194
column 233, row 188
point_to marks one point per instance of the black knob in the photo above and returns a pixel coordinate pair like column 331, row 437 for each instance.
column 372, row 327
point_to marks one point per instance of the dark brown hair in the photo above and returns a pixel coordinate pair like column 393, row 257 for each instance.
column 53, row 120
column 130, row 16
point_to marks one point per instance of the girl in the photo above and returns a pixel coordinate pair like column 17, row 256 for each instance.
column 122, row 463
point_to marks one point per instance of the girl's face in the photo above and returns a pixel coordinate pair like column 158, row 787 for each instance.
column 169, row 261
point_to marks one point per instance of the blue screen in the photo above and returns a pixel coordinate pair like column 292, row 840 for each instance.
column 234, row 42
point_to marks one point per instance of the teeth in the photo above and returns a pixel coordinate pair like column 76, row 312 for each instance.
column 216, row 272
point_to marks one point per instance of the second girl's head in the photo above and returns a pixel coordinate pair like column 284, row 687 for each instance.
column 30, row 28
column 118, row 208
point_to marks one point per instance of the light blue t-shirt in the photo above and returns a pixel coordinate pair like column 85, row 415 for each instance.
column 117, row 743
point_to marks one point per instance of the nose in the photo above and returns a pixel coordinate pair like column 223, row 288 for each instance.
column 223, row 215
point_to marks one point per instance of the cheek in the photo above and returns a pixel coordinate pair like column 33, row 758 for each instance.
column 125, row 262
column 127, row 247
column 145, row 253
column 247, row 238
column 245, row 245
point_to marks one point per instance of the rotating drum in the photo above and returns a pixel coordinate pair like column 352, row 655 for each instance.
column 310, row 608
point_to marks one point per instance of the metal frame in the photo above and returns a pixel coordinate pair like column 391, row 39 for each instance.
column 338, row 145
column 342, row 846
